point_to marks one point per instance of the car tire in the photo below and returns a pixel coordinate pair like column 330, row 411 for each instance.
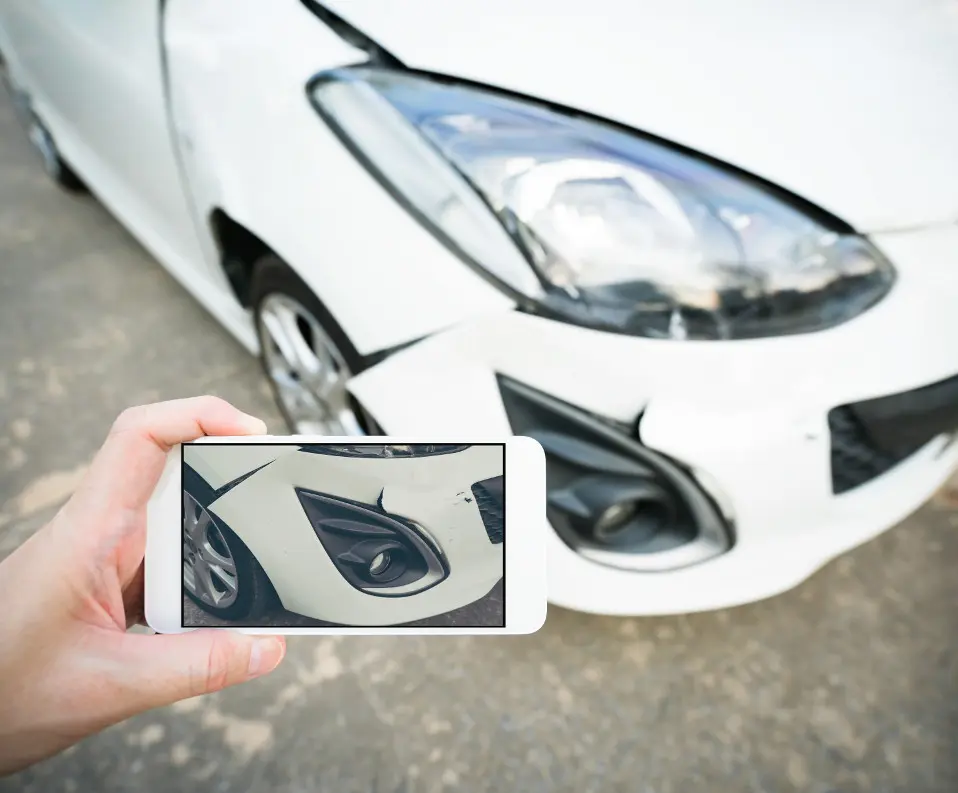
column 255, row 596
column 274, row 280
column 54, row 165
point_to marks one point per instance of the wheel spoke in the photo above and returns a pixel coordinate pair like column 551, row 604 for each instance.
column 189, row 514
column 324, row 383
column 209, row 570
column 307, row 369
column 201, row 577
column 200, row 524
column 349, row 423
column 191, row 580
column 304, row 360
column 213, row 557
column 227, row 579
column 276, row 329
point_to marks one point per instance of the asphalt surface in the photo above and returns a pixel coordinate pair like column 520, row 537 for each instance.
column 846, row 684
column 487, row 612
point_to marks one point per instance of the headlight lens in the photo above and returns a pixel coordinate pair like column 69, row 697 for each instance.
column 594, row 225
column 383, row 450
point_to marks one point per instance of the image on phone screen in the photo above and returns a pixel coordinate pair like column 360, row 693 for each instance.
column 326, row 534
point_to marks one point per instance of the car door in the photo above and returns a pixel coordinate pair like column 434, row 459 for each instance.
column 94, row 70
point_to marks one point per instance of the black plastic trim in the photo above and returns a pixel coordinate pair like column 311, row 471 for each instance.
column 899, row 423
column 370, row 359
column 196, row 486
column 871, row 437
column 378, row 55
column 590, row 460
column 369, row 525
column 222, row 491
column 490, row 499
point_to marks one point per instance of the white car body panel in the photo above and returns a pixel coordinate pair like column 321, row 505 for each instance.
column 218, row 470
column 354, row 245
column 264, row 511
column 750, row 418
column 849, row 104
column 102, row 97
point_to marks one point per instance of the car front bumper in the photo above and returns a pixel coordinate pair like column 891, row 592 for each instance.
column 435, row 492
column 749, row 419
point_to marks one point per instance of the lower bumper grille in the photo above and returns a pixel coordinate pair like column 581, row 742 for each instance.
column 855, row 459
column 489, row 498
column 871, row 437
column 610, row 498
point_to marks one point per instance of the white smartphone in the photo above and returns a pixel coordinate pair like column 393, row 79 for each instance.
column 320, row 535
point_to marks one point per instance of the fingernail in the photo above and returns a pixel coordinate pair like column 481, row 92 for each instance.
column 254, row 425
column 265, row 655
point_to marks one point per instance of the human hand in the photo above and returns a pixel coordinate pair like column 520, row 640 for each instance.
column 68, row 667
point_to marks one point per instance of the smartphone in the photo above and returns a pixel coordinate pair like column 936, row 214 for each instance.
column 321, row 535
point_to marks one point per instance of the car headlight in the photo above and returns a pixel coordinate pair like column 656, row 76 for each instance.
column 383, row 450
column 584, row 222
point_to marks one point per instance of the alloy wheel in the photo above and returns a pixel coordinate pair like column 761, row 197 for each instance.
column 209, row 569
column 43, row 143
column 307, row 369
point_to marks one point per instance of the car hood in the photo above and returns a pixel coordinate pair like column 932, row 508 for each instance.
column 851, row 104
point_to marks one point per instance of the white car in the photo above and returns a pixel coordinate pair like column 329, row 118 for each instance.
column 706, row 253
column 365, row 534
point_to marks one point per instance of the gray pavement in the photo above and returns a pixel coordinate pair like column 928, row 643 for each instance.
column 845, row 684
column 487, row 612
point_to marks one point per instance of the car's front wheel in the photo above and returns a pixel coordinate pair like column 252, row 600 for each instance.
column 220, row 575
column 305, row 354
column 53, row 163
column 41, row 138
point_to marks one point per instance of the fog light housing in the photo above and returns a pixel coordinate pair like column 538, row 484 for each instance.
column 615, row 520
column 376, row 552
column 611, row 499
column 630, row 522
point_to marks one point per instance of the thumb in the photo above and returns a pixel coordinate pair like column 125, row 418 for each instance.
column 172, row 667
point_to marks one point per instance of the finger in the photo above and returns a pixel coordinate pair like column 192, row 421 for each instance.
column 131, row 460
column 133, row 599
column 168, row 668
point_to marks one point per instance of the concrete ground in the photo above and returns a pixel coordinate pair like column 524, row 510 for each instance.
column 845, row 684
column 487, row 612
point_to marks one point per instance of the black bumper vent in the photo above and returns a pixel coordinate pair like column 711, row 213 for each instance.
column 871, row 437
column 609, row 494
column 489, row 499
column 855, row 459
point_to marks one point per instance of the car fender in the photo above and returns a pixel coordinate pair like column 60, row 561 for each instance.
column 219, row 470
column 254, row 147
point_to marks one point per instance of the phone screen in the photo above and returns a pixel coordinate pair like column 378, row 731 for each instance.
column 303, row 535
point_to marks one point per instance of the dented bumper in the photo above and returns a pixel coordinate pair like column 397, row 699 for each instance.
column 748, row 420
column 432, row 495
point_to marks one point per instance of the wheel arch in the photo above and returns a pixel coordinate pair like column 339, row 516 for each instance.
column 239, row 249
column 197, row 486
